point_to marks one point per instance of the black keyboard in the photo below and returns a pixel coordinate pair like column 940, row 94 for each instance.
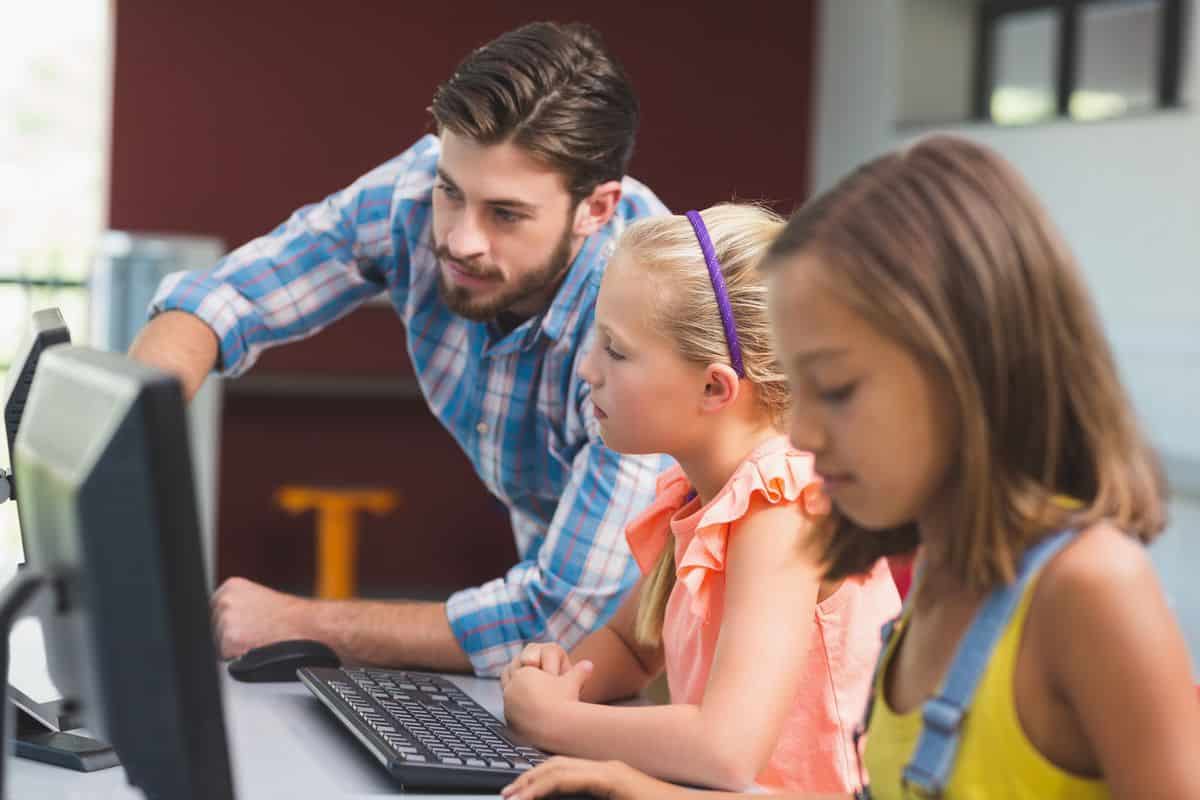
column 425, row 730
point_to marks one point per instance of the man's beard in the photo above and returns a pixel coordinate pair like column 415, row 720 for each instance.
column 459, row 299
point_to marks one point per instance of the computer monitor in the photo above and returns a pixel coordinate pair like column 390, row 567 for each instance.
column 48, row 329
column 108, row 511
column 29, row 687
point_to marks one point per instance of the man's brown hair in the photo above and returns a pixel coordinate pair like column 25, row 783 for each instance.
column 553, row 90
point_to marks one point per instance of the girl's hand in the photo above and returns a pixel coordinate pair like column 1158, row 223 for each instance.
column 548, row 657
column 533, row 699
column 608, row 779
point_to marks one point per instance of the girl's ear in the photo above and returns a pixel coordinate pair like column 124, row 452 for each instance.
column 721, row 387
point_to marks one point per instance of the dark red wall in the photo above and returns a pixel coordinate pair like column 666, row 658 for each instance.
column 227, row 116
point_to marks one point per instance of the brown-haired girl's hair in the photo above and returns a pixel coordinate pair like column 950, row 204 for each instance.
column 555, row 91
column 942, row 247
column 666, row 250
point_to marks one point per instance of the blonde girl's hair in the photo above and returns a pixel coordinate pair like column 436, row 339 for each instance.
column 667, row 251
column 942, row 247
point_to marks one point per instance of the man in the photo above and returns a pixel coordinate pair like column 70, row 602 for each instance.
column 490, row 239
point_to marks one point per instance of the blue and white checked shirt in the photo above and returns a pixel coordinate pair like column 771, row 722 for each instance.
column 514, row 401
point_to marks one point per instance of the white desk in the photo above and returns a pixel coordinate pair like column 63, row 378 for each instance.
column 282, row 743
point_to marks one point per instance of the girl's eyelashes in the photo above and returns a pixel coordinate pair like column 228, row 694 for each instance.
column 838, row 395
column 613, row 354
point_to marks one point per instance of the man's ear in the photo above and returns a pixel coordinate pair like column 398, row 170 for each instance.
column 722, row 387
column 595, row 210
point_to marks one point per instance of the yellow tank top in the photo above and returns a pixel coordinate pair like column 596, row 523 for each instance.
column 995, row 758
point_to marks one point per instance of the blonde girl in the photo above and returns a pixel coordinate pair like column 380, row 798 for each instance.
column 767, row 662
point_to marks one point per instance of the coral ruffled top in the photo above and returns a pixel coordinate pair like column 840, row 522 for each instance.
column 815, row 749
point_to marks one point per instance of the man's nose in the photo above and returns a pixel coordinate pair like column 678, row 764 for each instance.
column 466, row 239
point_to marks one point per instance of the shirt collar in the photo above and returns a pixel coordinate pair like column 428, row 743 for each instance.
column 578, row 290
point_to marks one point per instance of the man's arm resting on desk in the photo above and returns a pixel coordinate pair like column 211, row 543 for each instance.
column 181, row 344
column 410, row 634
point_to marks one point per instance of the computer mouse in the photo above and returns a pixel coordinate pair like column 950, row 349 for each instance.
column 279, row 661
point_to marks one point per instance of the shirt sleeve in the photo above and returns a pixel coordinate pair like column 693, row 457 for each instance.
column 319, row 265
column 578, row 577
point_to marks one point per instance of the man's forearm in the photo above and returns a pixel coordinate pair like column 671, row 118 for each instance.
column 181, row 344
column 389, row 634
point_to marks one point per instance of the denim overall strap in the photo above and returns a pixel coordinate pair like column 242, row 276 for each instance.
column 942, row 716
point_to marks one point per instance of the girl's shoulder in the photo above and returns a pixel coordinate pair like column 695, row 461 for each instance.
column 1101, row 558
column 774, row 490
column 1101, row 588
column 1106, row 647
column 774, row 473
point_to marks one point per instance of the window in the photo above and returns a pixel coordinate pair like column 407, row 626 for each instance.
column 54, row 116
column 54, row 101
column 1080, row 59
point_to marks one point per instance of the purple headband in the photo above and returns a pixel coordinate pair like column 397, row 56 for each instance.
column 718, row 282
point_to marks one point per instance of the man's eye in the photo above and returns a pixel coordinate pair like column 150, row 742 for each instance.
column 504, row 215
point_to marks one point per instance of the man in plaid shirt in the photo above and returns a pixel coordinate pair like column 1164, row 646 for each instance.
column 490, row 240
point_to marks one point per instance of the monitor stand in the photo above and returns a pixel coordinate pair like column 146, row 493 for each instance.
column 38, row 731
column 41, row 735
column 63, row 749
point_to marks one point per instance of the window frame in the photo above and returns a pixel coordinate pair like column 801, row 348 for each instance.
column 1168, row 75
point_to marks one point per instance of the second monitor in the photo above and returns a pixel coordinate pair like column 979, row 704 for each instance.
column 108, row 512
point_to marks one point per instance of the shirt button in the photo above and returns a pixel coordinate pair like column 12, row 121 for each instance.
column 481, row 428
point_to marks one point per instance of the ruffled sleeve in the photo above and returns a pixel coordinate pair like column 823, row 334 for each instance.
column 647, row 534
column 779, row 477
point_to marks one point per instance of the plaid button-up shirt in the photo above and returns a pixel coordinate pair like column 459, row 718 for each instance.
column 513, row 400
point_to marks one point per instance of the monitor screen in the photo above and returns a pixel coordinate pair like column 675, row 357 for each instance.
column 108, row 509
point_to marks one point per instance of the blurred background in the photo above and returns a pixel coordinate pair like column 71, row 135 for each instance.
column 138, row 137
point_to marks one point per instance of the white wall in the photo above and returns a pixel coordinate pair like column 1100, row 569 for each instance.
column 1126, row 194
column 935, row 82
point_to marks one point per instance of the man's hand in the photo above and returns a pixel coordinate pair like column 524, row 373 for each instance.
column 550, row 658
column 246, row 615
column 533, row 698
